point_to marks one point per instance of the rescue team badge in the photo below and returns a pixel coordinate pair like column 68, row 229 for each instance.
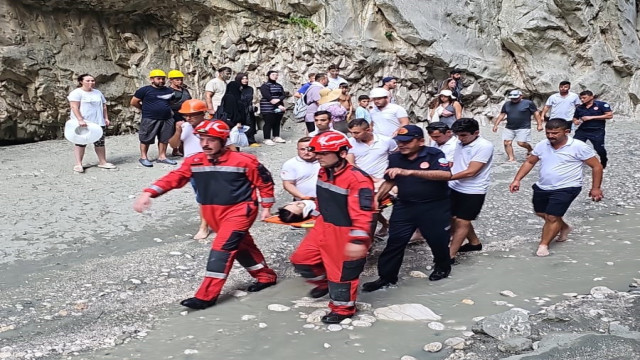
column 424, row 165
column 443, row 162
column 403, row 131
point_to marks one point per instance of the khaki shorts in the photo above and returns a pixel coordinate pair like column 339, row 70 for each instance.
column 521, row 135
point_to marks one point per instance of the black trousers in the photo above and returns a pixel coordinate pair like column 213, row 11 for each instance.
column 432, row 219
column 272, row 123
column 596, row 136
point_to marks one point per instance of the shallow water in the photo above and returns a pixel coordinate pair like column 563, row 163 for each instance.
column 602, row 252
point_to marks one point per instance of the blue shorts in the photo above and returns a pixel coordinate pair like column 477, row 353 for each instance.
column 553, row 202
column 195, row 190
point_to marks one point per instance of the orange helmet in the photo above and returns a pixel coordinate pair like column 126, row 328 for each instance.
column 217, row 128
column 329, row 141
column 193, row 106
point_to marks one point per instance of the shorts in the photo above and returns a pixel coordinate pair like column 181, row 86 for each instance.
column 151, row 128
column 553, row 202
column 521, row 135
column 466, row 206
column 100, row 142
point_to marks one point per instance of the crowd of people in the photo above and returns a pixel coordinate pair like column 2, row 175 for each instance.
column 354, row 160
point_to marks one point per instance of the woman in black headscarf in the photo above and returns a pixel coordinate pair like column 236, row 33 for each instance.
column 246, row 101
column 234, row 112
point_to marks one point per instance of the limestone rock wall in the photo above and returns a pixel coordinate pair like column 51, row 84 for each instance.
column 501, row 44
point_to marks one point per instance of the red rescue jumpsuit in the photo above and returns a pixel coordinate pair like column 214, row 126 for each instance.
column 346, row 204
column 227, row 192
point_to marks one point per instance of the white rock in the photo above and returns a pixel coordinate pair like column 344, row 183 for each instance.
column 367, row 318
column 406, row 312
column 507, row 293
column 334, row 327
column 326, row 345
column 248, row 317
column 418, row 274
column 190, row 351
column 316, row 316
column 433, row 347
column 600, row 292
column 262, row 325
column 158, row 240
column 609, row 262
column 408, row 357
column 477, row 318
column 570, row 294
column 184, row 313
column 501, row 303
column 135, row 281
column 361, row 323
column 468, row 301
column 467, row 333
column 455, row 342
column 175, row 253
column 346, row 321
column 436, row 325
column 238, row 293
column 308, row 326
column 278, row 307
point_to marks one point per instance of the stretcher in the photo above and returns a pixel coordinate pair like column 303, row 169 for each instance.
column 302, row 224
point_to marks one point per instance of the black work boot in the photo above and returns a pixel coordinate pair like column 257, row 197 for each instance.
column 257, row 286
column 439, row 273
column 198, row 304
column 318, row 292
column 375, row 285
column 334, row 318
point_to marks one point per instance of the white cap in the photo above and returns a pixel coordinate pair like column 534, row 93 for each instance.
column 447, row 93
column 82, row 135
column 514, row 94
column 379, row 93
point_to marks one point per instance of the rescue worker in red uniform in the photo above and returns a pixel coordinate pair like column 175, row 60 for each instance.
column 227, row 184
column 333, row 254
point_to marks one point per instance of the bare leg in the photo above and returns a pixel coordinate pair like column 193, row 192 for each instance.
column 552, row 225
column 384, row 230
column 162, row 151
column 472, row 237
column 203, row 230
column 564, row 231
column 459, row 232
column 526, row 146
column 102, row 155
column 144, row 149
column 508, row 148
column 78, row 152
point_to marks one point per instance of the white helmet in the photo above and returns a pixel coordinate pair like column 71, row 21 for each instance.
column 379, row 93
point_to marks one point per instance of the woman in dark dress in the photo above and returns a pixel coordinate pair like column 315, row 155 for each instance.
column 246, row 99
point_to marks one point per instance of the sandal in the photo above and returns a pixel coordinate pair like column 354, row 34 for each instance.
column 106, row 166
column 78, row 169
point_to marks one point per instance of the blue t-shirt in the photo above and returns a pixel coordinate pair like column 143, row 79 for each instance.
column 156, row 102
column 598, row 108
column 416, row 189
column 303, row 89
column 362, row 113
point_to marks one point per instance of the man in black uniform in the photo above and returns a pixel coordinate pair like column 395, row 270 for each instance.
column 421, row 174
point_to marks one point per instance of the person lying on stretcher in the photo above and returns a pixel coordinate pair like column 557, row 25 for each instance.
column 297, row 211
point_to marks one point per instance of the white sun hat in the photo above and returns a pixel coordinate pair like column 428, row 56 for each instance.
column 82, row 135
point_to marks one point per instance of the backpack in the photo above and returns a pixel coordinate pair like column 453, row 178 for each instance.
column 300, row 107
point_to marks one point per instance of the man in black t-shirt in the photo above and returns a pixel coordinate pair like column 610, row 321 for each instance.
column 157, row 118
column 591, row 118
column 518, row 112
column 421, row 174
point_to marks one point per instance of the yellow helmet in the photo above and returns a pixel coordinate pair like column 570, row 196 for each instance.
column 175, row 74
column 157, row 73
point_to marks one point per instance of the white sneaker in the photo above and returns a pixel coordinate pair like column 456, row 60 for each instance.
column 268, row 142
column 279, row 140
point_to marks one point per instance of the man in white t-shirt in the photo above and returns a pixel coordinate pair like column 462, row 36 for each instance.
column 370, row 152
column 334, row 78
column 299, row 174
column 469, row 183
column 215, row 89
column 563, row 104
column 322, row 122
column 193, row 112
column 386, row 117
column 561, row 160
column 442, row 138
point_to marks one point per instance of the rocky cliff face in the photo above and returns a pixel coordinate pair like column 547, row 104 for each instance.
column 501, row 44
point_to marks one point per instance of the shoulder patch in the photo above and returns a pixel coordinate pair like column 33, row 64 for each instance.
column 606, row 105
column 443, row 162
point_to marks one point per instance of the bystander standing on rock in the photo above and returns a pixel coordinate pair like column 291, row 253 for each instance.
column 272, row 108
column 390, row 83
column 362, row 111
column 387, row 118
column 311, row 99
column 562, row 104
column 456, row 88
column 303, row 89
column 180, row 95
column 157, row 119
column 561, row 160
column 334, row 77
column 246, row 99
column 518, row 112
column 469, row 184
column 448, row 109
column 345, row 100
column 420, row 173
column 591, row 118
column 89, row 105
column 214, row 89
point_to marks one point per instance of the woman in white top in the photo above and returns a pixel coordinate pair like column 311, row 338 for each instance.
column 89, row 105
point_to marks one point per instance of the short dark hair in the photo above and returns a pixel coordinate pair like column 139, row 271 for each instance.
column 586, row 92
column 322, row 112
column 223, row 69
column 287, row 216
column 363, row 97
column 564, row 82
column 320, row 76
column 358, row 122
column 333, row 67
column 304, row 139
column 81, row 78
column 455, row 71
column 465, row 125
column 557, row 123
column 437, row 126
